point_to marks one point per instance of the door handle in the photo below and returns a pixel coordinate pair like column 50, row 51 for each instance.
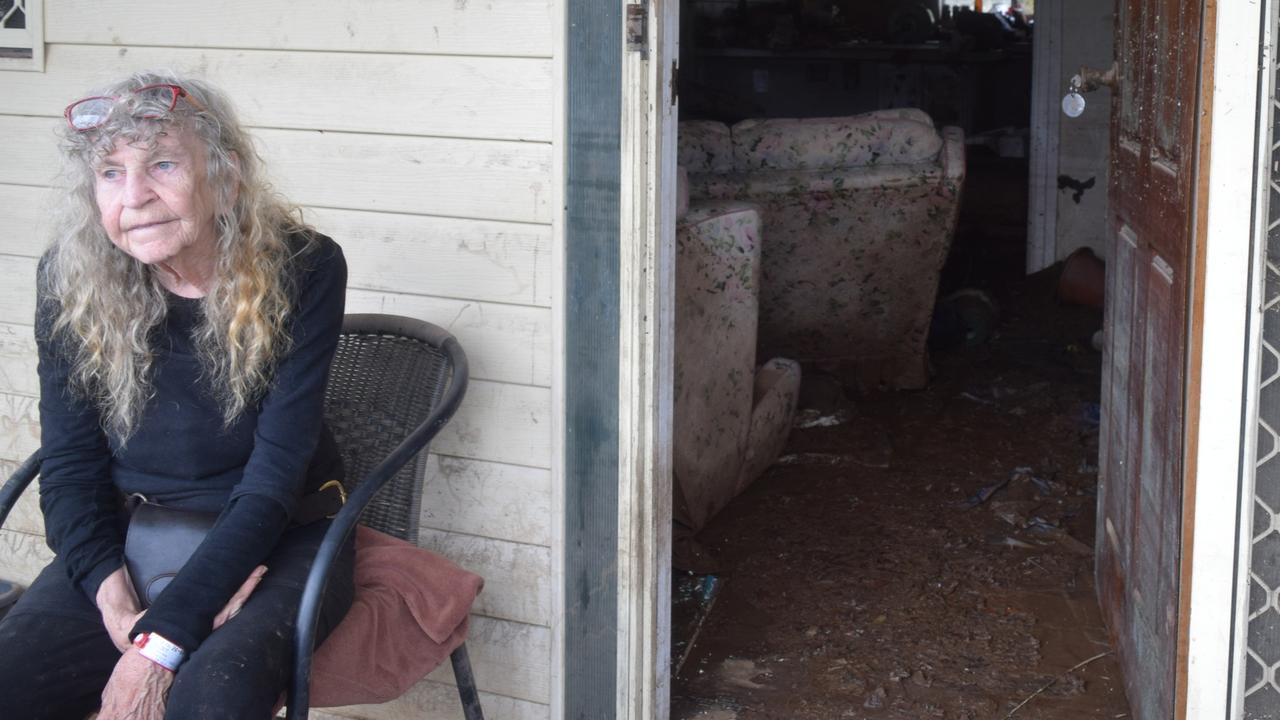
column 1088, row 80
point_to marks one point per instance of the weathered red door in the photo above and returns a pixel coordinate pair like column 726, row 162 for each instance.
column 1153, row 121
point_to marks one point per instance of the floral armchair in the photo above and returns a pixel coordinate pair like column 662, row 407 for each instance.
column 731, row 418
column 858, row 214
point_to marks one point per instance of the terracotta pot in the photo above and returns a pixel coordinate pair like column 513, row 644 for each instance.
column 1083, row 279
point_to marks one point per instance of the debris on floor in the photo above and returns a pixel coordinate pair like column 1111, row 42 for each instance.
column 693, row 597
column 738, row 673
column 813, row 417
column 929, row 556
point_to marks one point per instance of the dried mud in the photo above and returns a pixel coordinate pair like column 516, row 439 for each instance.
column 856, row 581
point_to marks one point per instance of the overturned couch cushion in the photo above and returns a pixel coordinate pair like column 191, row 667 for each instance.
column 717, row 291
column 777, row 392
column 731, row 419
column 827, row 143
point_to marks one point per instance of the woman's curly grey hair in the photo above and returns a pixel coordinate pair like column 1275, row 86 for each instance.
column 108, row 303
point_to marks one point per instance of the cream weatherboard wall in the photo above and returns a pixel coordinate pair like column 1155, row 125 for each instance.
column 422, row 135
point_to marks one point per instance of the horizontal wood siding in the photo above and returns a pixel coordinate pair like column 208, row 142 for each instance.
column 516, row 571
column 517, row 576
column 510, row 343
column 420, row 136
column 20, row 421
column 506, row 343
column 472, row 97
column 24, row 555
column 499, row 262
column 431, row 700
column 476, row 179
column 488, row 27
column 24, row 212
column 18, row 360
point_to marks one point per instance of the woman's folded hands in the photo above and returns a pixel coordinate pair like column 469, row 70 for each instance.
column 138, row 687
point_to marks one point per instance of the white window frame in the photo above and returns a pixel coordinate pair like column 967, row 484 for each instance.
column 29, row 38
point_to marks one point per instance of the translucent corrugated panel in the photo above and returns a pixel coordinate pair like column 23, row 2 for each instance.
column 1261, row 682
column 13, row 14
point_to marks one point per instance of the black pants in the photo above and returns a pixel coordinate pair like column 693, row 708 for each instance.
column 56, row 656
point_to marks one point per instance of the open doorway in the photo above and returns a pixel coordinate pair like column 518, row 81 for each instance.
column 921, row 544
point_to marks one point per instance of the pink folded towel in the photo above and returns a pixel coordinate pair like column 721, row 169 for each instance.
column 410, row 611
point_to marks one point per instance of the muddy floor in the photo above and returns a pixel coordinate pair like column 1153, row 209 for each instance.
column 920, row 554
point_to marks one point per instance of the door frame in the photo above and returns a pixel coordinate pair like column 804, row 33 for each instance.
column 586, row 346
column 613, row 338
column 1046, row 120
column 1221, row 365
column 651, row 51
column 1223, row 321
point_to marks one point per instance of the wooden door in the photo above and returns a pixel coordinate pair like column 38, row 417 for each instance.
column 1139, row 543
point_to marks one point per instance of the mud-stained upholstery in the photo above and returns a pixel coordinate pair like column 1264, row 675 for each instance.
column 704, row 146
column 832, row 143
column 731, row 418
column 858, row 214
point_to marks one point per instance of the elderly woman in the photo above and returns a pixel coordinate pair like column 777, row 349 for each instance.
column 185, row 324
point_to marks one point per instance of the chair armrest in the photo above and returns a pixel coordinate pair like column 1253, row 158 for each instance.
column 17, row 483
column 345, row 521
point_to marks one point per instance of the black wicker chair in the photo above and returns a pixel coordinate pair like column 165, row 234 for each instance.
column 395, row 382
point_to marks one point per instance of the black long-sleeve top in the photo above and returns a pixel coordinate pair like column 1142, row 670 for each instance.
column 182, row 454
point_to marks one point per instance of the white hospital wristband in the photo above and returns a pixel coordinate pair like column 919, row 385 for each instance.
column 160, row 651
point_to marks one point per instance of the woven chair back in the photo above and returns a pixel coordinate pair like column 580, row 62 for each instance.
column 382, row 385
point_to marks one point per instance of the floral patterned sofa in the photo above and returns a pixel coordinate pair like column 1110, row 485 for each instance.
column 858, row 214
column 731, row 418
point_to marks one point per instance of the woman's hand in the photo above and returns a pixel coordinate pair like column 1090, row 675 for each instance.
column 119, row 607
column 137, row 690
column 121, row 611
column 237, row 601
